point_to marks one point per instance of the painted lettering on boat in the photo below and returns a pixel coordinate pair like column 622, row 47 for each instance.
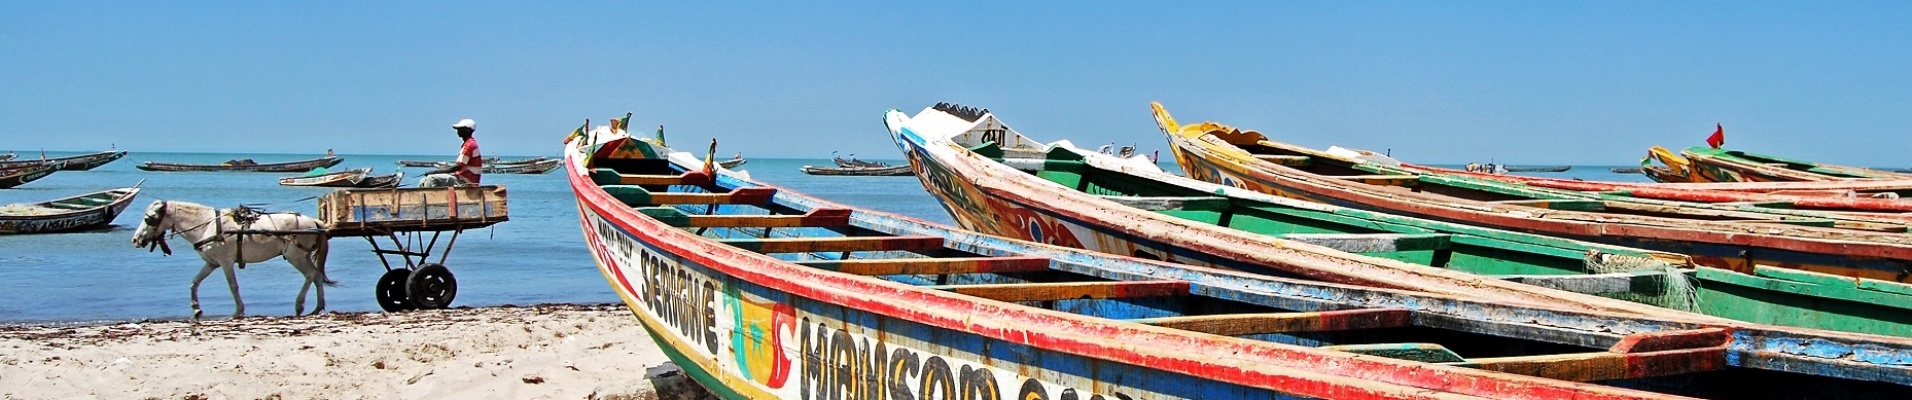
column 839, row 365
column 828, row 361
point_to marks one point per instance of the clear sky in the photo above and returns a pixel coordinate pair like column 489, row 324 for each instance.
column 1539, row 82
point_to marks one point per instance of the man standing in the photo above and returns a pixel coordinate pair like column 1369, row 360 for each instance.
column 470, row 163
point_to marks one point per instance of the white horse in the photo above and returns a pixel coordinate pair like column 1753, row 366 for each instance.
column 212, row 233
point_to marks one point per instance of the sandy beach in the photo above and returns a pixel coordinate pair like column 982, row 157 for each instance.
column 535, row 352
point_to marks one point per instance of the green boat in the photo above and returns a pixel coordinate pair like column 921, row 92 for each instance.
column 1120, row 206
column 1754, row 167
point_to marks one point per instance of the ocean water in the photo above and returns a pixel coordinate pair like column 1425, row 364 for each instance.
column 537, row 257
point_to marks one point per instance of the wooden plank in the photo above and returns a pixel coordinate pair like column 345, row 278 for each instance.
column 1823, row 223
column 932, row 266
column 1671, row 340
column 1384, row 180
column 837, row 244
column 1262, row 323
column 607, row 176
column 818, row 218
column 1558, row 204
column 1070, row 290
column 1586, row 367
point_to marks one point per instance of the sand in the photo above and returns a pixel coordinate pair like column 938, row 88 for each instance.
column 536, row 352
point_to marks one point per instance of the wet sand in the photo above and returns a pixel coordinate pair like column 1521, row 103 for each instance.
column 534, row 352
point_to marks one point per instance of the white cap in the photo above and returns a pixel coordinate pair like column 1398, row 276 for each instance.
column 466, row 123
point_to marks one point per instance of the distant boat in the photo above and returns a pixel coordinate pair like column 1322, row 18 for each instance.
column 1624, row 170
column 539, row 166
column 855, row 163
column 488, row 162
column 8, row 156
column 900, row 170
column 72, row 163
column 733, row 162
column 1555, row 168
column 245, row 165
column 17, row 176
column 352, row 178
column 67, row 214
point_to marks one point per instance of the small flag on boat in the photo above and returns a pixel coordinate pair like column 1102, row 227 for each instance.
column 624, row 125
column 577, row 133
column 660, row 136
column 1718, row 138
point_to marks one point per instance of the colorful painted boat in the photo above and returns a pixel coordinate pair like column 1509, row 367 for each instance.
column 1080, row 198
column 1221, row 154
column 1755, row 167
column 762, row 293
column 20, row 175
column 245, row 166
column 1827, row 199
column 86, row 211
column 352, row 178
column 72, row 163
column 898, row 170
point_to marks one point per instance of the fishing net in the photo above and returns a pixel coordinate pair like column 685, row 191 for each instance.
column 1677, row 290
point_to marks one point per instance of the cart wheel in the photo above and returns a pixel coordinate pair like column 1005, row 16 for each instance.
column 431, row 286
column 391, row 291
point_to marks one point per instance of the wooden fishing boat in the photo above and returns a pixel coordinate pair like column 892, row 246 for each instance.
column 1755, row 167
column 351, row 178
column 533, row 167
column 733, row 162
column 899, row 170
column 245, row 166
column 1624, row 170
column 1553, row 168
column 421, row 164
column 759, row 292
column 74, row 213
column 1825, row 199
column 72, row 163
column 1742, row 242
column 20, row 175
column 1081, row 198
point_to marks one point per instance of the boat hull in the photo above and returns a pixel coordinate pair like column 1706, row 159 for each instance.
column 109, row 204
column 294, row 166
column 899, row 170
column 21, row 176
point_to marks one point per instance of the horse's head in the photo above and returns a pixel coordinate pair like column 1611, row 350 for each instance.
column 152, row 229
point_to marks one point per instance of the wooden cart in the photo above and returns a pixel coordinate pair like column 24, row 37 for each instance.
column 413, row 220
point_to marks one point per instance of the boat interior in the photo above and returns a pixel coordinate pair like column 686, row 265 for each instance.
column 1660, row 356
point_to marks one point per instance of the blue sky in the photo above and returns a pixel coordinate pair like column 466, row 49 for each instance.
column 1517, row 82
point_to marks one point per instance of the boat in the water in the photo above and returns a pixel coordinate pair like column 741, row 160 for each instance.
column 8, row 156
column 21, row 174
column 538, row 166
column 1550, row 168
column 81, row 212
column 1624, row 170
column 899, row 170
column 1060, row 194
column 1754, row 243
column 351, row 178
column 72, row 163
column 760, row 292
column 246, row 165
column 733, row 162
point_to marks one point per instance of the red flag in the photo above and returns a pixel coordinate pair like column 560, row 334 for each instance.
column 1718, row 138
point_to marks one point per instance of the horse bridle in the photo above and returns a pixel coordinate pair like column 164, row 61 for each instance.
column 158, row 240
